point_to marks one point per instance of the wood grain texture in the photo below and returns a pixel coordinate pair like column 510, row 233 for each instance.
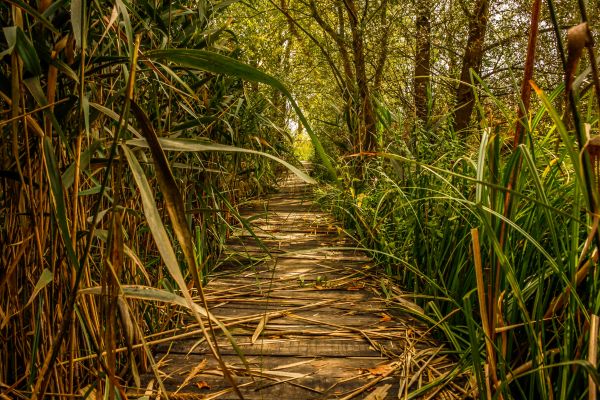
column 311, row 318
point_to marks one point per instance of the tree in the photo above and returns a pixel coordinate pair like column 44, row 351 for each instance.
column 422, row 78
column 472, row 60
column 350, row 42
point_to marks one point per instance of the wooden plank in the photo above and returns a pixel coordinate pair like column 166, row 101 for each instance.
column 334, row 348
column 327, row 326
column 310, row 295
column 318, row 377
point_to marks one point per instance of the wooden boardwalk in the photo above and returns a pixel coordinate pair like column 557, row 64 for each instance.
column 312, row 318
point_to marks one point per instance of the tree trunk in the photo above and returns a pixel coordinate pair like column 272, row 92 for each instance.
column 422, row 78
column 465, row 98
column 366, row 135
column 283, row 61
column 383, row 48
column 356, row 86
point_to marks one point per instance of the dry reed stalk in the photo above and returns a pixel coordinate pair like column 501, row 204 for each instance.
column 593, row 355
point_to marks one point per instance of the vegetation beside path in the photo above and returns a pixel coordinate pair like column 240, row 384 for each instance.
column 466, row 163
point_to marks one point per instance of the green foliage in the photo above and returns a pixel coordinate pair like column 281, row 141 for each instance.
column 303, row 148
column 417, row 219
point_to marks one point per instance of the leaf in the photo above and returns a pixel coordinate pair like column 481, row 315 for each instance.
column 114, row 116
column 259, row 328
column 58, row 200
column 170, row 191
column 113, row 17
column 385, row 318
column 202, row 385
column 43, row 281
column 35, row 88
column 180, row 81
column 127, row 23
column 163, row 243
column 85, row 105
column 77, row 21
column 17, row 40
column 382, row 370
column 202, row 146
column 141, row 292
column 10, row 34
column 220, row 64
column 65, row 69
column 154, row 221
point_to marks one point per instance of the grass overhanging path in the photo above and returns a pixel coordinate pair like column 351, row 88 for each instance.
column 312, row 321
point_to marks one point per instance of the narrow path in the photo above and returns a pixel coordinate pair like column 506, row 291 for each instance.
column 313, row 320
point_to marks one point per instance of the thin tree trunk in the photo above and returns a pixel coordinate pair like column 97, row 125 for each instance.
column 337, row 38
column 367, row 136
column 471, row 61
column 286, row 42
column 383, row 48
column 422, row 79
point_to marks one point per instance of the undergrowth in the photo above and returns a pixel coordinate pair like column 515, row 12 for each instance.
column 511, row 290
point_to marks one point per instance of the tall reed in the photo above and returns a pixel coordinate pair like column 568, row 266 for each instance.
column 515, row 311
column 123, row 158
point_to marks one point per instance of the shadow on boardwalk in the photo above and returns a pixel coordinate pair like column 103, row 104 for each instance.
column 311, row 319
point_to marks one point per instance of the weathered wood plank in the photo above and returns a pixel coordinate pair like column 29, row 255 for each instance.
column 328, row 332
column 298, row 378
column 285, row 347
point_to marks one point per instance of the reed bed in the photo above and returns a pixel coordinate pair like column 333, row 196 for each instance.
column 497, row 236
column 124, row 157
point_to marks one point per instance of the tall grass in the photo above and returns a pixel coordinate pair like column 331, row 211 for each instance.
column 123, row 159
column 513, row 291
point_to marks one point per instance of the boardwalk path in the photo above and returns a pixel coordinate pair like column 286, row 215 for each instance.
column 313, row 322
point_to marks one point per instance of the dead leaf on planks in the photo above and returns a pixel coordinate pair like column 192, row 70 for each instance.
column 385, row 318
column 195, row 371
column 203, row 385
column 382, row 370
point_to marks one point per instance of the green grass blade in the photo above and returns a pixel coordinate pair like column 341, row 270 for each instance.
column 58, row 200
column 161, row 238
column 191, row 145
